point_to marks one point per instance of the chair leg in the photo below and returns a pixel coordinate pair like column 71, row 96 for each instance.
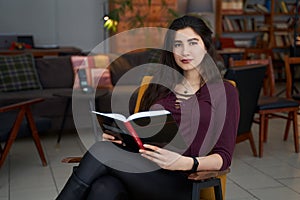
column 12, row 135
column 296, row 133
column 252, row 144
column 213, row 182
column 196, row 191
column 261, row 134
column 35, row 135
column 266, row 125
column 287, row 127
column 218, row 190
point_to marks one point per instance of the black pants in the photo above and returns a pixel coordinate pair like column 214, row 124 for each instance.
column 113, row 173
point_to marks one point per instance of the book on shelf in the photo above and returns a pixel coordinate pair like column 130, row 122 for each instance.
column 283, row 7
column 152, row 127
column 261, row 8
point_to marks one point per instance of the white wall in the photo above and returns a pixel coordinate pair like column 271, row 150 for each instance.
column 63, row 22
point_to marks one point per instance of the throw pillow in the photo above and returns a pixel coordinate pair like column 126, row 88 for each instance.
column 18, row 73
column 98, row 76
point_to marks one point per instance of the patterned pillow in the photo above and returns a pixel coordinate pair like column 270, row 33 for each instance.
column 98, row 76
column 18, row 73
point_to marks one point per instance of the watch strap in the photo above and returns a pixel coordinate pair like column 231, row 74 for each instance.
column 195, row 165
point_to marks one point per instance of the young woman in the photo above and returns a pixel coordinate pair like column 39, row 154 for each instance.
column 206, row 109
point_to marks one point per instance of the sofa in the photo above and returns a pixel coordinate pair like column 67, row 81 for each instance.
column 56, row 76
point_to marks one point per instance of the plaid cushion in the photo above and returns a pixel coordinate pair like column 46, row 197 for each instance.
column 18, row 73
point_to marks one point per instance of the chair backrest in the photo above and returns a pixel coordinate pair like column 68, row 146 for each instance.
column 144, row 85
column 288, row 61
column 248, row 81
column 269, row 80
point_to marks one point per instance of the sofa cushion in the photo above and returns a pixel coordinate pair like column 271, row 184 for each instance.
column 96, row 68
column 56, row 72
column 18, row 73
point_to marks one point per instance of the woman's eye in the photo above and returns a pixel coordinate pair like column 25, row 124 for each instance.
column 193, row 43
column 176, row 45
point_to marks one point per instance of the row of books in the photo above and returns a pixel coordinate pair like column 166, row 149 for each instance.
column 282, row 6
column 283, row 39
column 262, row 40
column 235, row 6
column 239, row 7
column 243, row 24
column 257, row 7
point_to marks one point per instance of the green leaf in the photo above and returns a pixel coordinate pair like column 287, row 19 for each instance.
column 173, row 12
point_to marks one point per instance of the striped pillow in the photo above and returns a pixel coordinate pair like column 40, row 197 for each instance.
column 18, row 73
column 98, row 76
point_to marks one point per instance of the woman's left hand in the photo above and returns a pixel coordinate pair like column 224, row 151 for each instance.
column 164, row 158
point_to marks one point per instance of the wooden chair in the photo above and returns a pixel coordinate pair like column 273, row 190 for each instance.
column 11, row 133
column 270, row 106
column 209, row 183
column 288, row 61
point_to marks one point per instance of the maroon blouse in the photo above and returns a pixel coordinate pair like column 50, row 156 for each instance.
column 208, row 121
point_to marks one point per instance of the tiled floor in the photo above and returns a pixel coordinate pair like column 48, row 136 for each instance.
column 275, row 176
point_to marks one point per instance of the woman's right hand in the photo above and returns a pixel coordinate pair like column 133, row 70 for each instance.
column 111, row 138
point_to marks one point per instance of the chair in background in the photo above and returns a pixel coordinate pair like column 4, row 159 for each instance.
column 270, row 106
column 288, row 61
column 249, row 92
column 13, row 124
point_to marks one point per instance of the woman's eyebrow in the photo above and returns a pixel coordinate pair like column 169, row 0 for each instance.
column 177, row 41
column 193, row 39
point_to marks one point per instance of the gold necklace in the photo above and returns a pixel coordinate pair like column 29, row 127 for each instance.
column 186, row 91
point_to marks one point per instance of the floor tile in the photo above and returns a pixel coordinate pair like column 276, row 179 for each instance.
column 274, row 176
column 292, row 183
column 278, row 193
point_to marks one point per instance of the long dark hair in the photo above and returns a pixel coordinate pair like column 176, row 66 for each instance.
column 158, row 91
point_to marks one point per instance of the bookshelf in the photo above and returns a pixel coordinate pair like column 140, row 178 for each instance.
column 266, row 24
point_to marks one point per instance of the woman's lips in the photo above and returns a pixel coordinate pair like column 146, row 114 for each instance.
column 186, row 61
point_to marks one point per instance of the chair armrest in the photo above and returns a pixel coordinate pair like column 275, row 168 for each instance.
column 202, row 175
column 71, row 160
column 20, row 105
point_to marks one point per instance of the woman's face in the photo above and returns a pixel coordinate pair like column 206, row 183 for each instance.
column 188, row 49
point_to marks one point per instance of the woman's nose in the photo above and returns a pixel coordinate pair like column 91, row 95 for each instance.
column 185, row 50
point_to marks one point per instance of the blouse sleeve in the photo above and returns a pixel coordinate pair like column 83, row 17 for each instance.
column 226, row 143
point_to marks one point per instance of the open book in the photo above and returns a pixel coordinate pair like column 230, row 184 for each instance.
column 152, row 127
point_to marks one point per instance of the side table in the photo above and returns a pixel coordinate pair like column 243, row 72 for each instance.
column 78, row 94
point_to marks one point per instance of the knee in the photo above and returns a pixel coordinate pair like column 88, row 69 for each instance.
column 107, row 188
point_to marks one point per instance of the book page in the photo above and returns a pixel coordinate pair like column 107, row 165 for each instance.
column 112, row 115
column 148, row 114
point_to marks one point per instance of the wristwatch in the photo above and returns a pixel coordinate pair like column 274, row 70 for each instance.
column 195, row 164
